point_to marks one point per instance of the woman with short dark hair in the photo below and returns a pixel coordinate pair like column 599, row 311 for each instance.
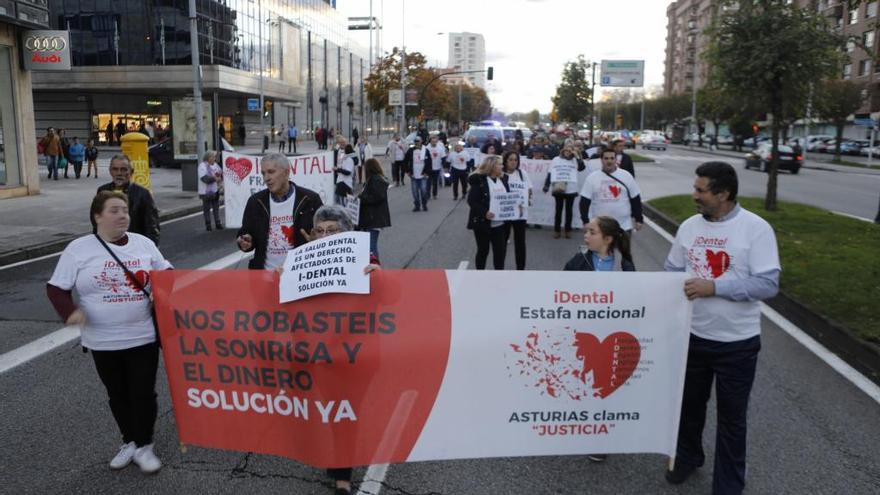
column 374, row 213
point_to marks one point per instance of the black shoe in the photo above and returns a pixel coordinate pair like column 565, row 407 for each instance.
column 681, row 473
column 597, row 457
column 416, row 209
column 208, row 227
column 218, row 226
column 455, row 198
column 424, row 207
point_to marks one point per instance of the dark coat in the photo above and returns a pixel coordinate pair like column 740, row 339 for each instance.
column 626, row 163
column 478, row 199
column 408, row 163
column 255, row 221
column 141, row 209
column 374, row 204
column 583, row 262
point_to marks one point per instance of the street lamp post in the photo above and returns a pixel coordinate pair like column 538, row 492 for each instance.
column 197, row 79
column 592, row 102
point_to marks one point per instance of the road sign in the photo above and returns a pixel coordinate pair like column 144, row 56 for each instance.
column 253, row 104
column 394, row 97
column 865, row 121
column 623, row 73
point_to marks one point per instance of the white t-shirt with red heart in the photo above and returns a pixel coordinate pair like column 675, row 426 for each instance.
column 281, row 234
column 609, row 197
column 117, row 312
column 734, row 249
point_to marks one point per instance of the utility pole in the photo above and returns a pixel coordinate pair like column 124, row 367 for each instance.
column 593, row 102
column 197, row 79
column 403, row 74
column 263, row 137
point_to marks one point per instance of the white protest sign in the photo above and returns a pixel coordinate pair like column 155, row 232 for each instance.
column 543, row 207
column 242, row 178
column 506, row 206
column 330, row 264
column 353, row 207
column 564, row 172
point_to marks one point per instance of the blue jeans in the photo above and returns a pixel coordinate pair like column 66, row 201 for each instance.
column 374, row 242
column 53, row 161
column 420, row 191
column 732, row 367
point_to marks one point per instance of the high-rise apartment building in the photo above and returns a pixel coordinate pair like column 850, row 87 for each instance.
column 467, row 52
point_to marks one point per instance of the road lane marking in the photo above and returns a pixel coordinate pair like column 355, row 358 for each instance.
column 839, row 365
column 67, row 334
column 853, row 216
column 463, row 265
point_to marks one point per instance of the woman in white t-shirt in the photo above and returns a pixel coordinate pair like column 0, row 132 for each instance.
column 210, row 178
column 115, row 319
column 365, row 152
column 563, row 179
column 486, row 181
column 518, row 180
column 345, row 175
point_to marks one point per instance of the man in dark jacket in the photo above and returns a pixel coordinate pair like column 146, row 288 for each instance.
column 141, row 207
column 277, row 218
column 624, row 161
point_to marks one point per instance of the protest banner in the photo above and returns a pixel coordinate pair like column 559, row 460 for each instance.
column 543, row 207
column 353, row 208
column 242, row 178
column 430, row 365
column 506, row 206
column 330, row 264
column 564, row 172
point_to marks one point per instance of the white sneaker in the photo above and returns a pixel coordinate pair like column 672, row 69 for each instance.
column 146, row 459
column 123, row 458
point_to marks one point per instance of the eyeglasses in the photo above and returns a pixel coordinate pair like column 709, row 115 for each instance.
column 322, row 232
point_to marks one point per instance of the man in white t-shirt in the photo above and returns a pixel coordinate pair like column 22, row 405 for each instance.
column 418, row 167
column 612, row 192
column 397, row 150
column 437, row 152
column 275, row 218
column 732, row 257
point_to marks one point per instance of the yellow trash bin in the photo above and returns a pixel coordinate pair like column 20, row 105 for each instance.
column 134, row 146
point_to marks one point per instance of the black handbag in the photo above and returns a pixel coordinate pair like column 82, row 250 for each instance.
column 130, row 276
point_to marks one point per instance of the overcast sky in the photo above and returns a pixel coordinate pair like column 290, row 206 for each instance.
column 527, row 41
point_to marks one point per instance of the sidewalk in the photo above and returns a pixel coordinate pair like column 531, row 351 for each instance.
column 34, row 226
column 812, row 162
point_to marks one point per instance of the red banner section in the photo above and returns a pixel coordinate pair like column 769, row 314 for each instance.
column 334, row 380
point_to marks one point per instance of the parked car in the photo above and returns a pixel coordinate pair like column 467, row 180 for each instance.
column 761, row 157
column 482, row 134
column 653, row 141
column 851, row 147
column 725, row 139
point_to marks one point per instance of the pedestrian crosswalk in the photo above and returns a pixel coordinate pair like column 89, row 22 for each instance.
column 672, row 158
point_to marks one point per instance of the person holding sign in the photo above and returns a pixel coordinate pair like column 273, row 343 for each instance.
column 520, row 182
column 460, row 162
column 114, row 314
column 613, row 192
column 732, row 257
column 276, row 218
column 417, row 163
column 562, row 178
column 486, row 181
column 374, row 213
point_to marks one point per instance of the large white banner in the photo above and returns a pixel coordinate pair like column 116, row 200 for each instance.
column 242, row 178
column 543, row 207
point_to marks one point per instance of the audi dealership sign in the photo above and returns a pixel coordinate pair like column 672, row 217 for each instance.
column 46, row 50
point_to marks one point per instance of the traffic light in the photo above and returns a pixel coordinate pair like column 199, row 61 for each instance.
column 489, row 73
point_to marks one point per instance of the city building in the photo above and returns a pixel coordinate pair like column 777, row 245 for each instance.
column 132, row 66
column 858, row 23
column 467, row 52
column 19, row 172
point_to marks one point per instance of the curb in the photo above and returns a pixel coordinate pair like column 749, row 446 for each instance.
column 862, row 355
column 733, row 154
column 51, row 247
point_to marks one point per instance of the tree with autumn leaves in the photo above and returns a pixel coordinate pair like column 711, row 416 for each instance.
column 438, row 99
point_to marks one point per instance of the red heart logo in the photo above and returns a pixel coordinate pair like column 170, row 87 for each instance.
column 612, row 360
column 288, row 234
column 718, row 262
column 141, row 277
column 615, row 191
column 240, row 168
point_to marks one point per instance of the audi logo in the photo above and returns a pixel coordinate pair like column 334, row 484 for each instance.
column 45, row 43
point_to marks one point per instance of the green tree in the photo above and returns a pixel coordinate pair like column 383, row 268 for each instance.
column 386, row 76
column 770, row 51
column 533, row 118
column 835, row 101
column 572, row 99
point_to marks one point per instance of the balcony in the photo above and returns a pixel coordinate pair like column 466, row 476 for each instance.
column 27, row 13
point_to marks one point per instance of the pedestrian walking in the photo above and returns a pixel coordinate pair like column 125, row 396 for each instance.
column 277, row 218
column 612, row 192
column 472, row 149
column 108, row 132
column 460, row 162
column 492, row 142
column 732, row 258
column 624, row 161
column 282, row 143
column 144, row 217
column 517, row 180
column 51, row 145
column 292, row 135
column 110, row 270
column 77, row 153
column 437, row 152
column 365, row 152
column 210, row 179
column 345, row 174
column 562, row 181
column 242, row 134
column 374, row 212
column 607, row 249
column 486, row 181
column 397, row 151
column 91, row 158
column 355, row 135
column 417, row 163
column 64, row 162
column 121, row 129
